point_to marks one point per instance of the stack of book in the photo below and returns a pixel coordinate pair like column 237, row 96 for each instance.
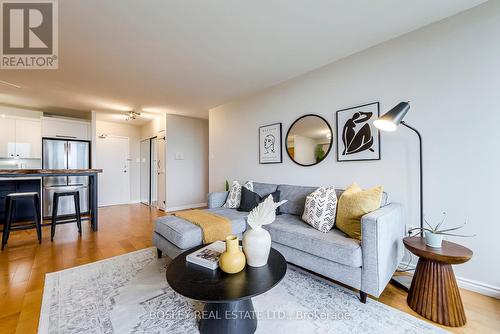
column 208, row 256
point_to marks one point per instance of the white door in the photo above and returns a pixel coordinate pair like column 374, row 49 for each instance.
column 154, row 172
column 112, row 154
column 161, row 172
column 145, row 172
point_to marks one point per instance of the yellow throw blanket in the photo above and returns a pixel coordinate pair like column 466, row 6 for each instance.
column 214, row 227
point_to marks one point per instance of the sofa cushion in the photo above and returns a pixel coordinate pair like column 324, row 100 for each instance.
column 264, row 188
column 320, row 208
column 250, row 199
column 353, row 205
column 385, row 197
column 291, row 231
column 296, row 196
column 234, row 197
column 185, row 235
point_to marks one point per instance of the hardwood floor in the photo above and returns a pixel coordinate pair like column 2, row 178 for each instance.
column 122, row 229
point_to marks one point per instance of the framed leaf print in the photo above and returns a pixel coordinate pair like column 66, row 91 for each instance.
column 357, row 138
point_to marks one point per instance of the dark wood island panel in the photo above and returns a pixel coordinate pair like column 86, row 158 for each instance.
column 9, row 175
column 23, row 209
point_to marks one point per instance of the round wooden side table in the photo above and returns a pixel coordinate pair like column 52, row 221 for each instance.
column 434, row 292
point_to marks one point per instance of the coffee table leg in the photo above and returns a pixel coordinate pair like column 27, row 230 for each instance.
column 236, row 317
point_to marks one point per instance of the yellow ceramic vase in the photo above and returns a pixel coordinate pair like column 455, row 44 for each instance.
column 233, row 260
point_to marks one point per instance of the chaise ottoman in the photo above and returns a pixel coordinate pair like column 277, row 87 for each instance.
column 173, row 235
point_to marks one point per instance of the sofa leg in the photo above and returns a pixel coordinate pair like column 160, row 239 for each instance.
column 158, row 252
column 362, row 297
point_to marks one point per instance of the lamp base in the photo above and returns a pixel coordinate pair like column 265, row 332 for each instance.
column 402, row 281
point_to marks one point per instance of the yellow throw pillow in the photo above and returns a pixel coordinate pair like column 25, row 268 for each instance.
column 353, row 204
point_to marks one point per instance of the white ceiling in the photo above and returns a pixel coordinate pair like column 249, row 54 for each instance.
column 121, row 117
column 186, row 56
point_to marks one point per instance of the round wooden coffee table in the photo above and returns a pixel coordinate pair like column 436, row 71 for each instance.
column 227, row 297
column 434, row 292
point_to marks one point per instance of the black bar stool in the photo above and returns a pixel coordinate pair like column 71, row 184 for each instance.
column 56, row 220
column 9, row 210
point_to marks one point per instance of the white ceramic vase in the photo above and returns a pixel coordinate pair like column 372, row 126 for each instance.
column 256, row 246
column 433, row 240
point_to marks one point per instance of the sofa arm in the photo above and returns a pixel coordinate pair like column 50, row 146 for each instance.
column 217, row 199
column 382, row 231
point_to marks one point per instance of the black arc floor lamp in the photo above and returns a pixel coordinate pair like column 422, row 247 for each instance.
column 390, row 122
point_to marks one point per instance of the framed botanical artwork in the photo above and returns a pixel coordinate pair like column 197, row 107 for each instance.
column 357, row 138
column 270, row 144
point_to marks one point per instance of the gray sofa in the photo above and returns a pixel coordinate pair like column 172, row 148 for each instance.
column 366, row 265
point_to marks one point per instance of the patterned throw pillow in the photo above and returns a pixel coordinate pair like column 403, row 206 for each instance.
column 234, row 197
column 320, row 208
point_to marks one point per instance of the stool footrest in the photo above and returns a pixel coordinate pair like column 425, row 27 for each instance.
column 65, row 221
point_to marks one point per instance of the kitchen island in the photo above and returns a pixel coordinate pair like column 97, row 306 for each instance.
column 9, row 175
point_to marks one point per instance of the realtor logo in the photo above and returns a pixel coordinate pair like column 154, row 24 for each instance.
column 29, row 37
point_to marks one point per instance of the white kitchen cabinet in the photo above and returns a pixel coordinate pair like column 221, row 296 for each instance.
column 65, row 129
column 20, row 138
column 28, row 139
column 7, row 138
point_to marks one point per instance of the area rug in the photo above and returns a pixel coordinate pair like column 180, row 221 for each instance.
column 129, row 294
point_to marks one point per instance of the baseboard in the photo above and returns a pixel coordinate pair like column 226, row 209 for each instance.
column 115, row 204
column 184, row 207
column 479, row 287
column 471, row 285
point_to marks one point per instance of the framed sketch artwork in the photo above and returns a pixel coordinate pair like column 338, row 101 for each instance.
column 270, row 144
column 357, row 138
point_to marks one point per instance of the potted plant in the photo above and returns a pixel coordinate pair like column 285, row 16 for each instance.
column 434, row 235
column 319, row 153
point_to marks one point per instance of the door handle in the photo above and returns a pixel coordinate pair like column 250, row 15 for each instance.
column 61, row 136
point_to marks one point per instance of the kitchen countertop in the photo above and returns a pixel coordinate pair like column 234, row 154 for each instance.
column 7, row 172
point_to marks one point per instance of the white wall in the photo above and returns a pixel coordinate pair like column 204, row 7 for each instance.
column 151, row 129
column 450, row 71
column 156, row 128
column 134, row 135
column 304, row 148
column 187, row 179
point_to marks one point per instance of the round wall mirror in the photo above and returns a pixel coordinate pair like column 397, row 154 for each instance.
column 309, row 140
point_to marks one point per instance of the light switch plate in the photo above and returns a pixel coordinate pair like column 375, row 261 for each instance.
column 179, row 156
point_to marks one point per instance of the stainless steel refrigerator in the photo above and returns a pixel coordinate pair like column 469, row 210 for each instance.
column 65, row 154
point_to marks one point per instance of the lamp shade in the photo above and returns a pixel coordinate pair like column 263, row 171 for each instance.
column 391, row 119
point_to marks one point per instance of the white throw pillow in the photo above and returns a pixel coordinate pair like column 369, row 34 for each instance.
column 234, row 198
column 320, row 209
